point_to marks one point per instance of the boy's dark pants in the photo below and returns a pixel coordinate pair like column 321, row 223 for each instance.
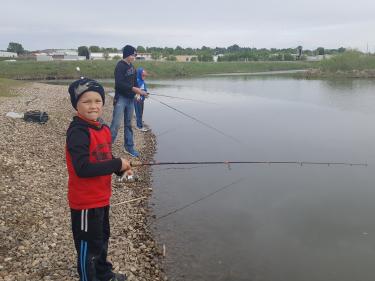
column 91, row 233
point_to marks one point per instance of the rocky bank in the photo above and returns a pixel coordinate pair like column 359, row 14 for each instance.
column 36, row 241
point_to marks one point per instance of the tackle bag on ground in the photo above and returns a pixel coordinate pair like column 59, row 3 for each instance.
column 36, row 116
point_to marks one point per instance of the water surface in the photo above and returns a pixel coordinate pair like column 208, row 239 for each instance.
column 281, row 222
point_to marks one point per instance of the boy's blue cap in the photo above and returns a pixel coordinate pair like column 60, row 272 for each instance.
column 128, row 51
column 81, row 86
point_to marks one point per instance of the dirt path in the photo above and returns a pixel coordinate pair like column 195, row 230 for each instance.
column 36, row 239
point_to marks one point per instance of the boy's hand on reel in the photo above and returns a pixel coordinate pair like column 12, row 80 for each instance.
column 125, row 165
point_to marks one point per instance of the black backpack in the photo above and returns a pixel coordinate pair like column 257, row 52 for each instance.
column 36, row 116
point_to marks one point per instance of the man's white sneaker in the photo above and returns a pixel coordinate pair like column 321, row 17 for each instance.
column 143, row 129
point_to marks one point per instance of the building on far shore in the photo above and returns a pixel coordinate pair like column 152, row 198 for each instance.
column 4, row 54
column 318, row 57
column 144, row 56
column 182, row 58
column 43, row 57
column 102, row 56
column 51, row 55
column 111, row 56
column 216, row 57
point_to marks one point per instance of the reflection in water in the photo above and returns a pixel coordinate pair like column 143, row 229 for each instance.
column 282, row 222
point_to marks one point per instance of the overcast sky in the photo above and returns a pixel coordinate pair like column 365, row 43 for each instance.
column 42, row 24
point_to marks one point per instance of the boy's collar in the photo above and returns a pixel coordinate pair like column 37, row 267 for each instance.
column 91, row 122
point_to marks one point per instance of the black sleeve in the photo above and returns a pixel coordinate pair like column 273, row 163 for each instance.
column 78, row 142
column 118, row 173
column 122, row 82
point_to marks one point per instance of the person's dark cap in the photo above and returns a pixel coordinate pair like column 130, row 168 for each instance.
column 128, row 51
column 81, row 86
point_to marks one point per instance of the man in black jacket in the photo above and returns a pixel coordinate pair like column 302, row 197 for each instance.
column 126, row 87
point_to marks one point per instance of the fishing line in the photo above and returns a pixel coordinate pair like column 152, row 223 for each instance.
column 183, row 168
column 197, row 120
column 166, row 132
column 195, row 201
column 180, row 98
column 300, row 163
column 235, row 182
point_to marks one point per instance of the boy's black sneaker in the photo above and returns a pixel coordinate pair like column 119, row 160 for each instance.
column 118, row 277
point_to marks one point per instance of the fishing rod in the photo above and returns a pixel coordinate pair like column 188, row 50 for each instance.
column 197, row 120
column 301, row 163
column 196, row 201
column 180, row 98
column 134, row 163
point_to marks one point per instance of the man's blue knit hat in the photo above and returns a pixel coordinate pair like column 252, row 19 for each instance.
column 128, row 51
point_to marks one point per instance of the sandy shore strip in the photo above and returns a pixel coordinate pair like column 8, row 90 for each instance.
column 35, row 228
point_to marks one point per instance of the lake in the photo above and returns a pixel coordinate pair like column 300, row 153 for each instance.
column 272, row 222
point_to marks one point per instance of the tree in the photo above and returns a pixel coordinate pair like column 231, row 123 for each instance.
column 171, row 58
column 15, row 48
column 84, row 51
column 233, row 48
column 141, row 49
column 155, row 56
column 299, row 52
column 94, row 49
column 179, row 50
column 288, row 57
column 320, row 51
column 106, row 55
column 205, row 57
column 109, row 50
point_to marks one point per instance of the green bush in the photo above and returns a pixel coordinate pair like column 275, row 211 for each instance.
column 348, row 61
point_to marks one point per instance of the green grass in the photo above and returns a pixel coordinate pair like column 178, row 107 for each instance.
column 348, row 61
column 6, row 86
column 32, row 70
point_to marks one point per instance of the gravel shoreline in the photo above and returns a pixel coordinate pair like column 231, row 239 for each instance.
column 36, row 239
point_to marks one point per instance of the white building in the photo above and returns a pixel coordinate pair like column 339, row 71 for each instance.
column 216, row 57
column 143, row 56
column 64, row 52
column 318, row 57
column 100, row 56
column 74, row 57
column 58, row 56
column 4, row 54
column 43, row 57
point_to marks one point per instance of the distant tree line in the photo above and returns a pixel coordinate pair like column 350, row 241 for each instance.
column 231, row 53
column 206, row 54
column 237, row 53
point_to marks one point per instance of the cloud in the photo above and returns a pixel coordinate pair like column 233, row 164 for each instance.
column 68, row 24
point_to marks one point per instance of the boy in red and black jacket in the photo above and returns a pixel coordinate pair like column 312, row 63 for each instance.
column 90, row 166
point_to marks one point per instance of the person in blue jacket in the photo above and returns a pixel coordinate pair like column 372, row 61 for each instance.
column 139, row 100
